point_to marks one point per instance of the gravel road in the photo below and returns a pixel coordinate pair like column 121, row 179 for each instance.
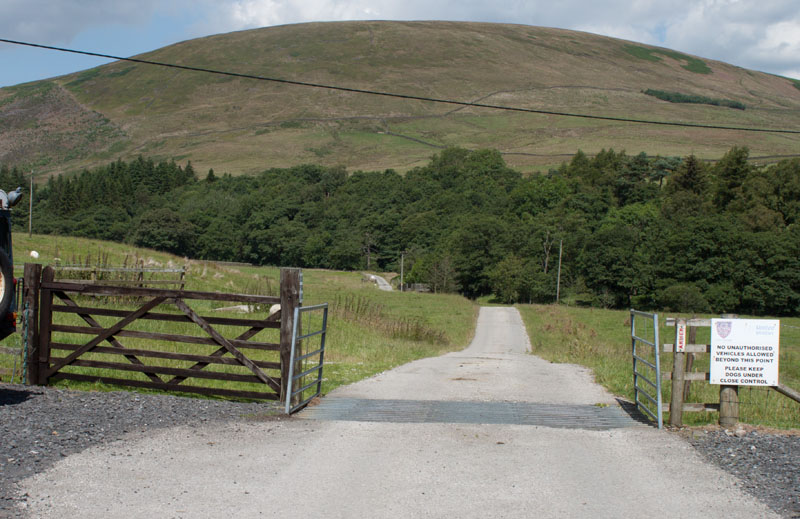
column 136, row 455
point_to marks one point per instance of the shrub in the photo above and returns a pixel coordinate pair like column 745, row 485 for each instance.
column 677, row 97
column 683, row 297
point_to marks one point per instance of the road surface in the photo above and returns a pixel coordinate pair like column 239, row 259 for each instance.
column 381, row 282
column 406, row 444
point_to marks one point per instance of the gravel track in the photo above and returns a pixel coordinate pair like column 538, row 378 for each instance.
column 41, row 425
column 767, row 464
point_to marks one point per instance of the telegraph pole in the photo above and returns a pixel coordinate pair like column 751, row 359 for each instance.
column 558, row 279
column 402, row 257
column 30, row 209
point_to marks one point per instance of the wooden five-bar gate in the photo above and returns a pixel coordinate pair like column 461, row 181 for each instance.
column 157, row 338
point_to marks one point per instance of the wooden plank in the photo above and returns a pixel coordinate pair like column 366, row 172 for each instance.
column 222, row 341
column 787, row 391
column 692, row 376
column 88, row 318
column 694, row 407
column 153, row 270
column 178, row 318
column 204, row 374
column 189, row 357
column 105, row 334
column 190, row 339
column 222, row 351
column 689, row 322
column 83, row 287
column 124, row 282
column 690, row 348
column 32, row 279
column 10, row 351
column 255, row 395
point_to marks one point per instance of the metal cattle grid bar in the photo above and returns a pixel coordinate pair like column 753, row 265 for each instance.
column 296, row 361
column 639, row 346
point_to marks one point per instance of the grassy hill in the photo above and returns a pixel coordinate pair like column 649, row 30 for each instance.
column 241, row 126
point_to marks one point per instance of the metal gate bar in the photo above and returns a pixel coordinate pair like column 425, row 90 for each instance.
column 296, row 361
column 641, row 350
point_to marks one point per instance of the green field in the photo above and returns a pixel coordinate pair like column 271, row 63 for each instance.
column 369, row 331
column 600, row 340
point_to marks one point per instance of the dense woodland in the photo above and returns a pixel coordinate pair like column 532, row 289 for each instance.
column 650, row 232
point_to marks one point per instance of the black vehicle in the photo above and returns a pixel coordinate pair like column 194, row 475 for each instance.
column 8, row 307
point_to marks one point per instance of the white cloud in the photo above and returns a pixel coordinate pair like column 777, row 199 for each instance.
column 759, row 34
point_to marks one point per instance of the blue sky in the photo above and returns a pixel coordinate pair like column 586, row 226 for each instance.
column 762, row 35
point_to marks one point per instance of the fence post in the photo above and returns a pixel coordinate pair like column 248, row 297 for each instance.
column 30, row 308
column 290, row 299
column 678, row 370
column 45, row 320
column 728, row 405
column 692, row 339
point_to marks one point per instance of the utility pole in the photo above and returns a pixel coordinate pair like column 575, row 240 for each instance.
column 30, row 209
column 558, row 279
column 402, row 257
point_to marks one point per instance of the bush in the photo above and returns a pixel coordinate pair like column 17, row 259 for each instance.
column 677, row 97
column 683, row 298
column 722, row 298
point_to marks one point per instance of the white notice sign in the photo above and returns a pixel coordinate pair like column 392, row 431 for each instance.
column 744, row 352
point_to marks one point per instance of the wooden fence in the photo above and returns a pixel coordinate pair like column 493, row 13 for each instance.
column 140, row 276
column 168, row 344
column 682, row 377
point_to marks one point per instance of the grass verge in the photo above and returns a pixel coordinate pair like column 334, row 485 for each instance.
column 600, row 340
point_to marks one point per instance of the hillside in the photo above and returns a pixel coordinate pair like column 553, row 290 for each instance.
column 122, row 109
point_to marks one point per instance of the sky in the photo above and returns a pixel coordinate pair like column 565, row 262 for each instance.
column 762, row 35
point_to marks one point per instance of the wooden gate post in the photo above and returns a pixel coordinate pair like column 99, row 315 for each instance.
column 678, row 371
column 30, row 315
column 692, row 339
column 45, row 321
column 729, row 397
column 290, row 299
column 728, row 405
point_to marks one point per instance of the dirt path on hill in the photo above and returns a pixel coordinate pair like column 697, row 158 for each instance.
column 490, row 431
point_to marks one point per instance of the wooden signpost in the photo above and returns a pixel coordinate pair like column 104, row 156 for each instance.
column 744, row 352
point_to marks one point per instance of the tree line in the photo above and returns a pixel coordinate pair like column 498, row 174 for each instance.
column 677, row 97
column 672, row 233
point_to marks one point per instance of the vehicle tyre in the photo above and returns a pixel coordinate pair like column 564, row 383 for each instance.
column 6, row 284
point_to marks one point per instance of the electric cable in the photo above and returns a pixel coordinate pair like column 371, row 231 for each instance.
column 401, row 96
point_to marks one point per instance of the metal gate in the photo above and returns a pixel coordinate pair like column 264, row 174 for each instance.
column 316, row 325
column 646, row 365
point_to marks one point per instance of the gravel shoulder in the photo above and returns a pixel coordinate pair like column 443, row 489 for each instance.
column 41, row 426
column 67, row 453
column 765, row 463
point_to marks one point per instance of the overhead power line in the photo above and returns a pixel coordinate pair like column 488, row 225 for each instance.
column 401, row 96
